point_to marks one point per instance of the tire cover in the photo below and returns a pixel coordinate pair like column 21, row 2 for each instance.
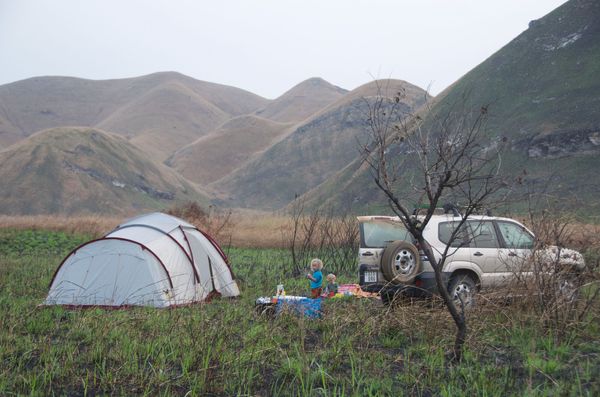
column 400, row 262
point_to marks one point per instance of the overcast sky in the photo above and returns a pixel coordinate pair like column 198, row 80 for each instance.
column 263, row 46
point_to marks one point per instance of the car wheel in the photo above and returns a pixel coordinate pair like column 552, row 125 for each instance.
column 400, row 262
column 462, row 289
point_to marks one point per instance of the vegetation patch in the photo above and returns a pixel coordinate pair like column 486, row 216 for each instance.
column 15, row 242
column 358, row 347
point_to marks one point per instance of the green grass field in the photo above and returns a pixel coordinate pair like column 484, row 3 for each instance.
column 358, row 348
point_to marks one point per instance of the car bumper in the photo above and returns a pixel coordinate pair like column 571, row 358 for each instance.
column 424, row 284
column 369, row 278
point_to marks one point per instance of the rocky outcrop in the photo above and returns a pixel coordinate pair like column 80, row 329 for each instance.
column 564, row 143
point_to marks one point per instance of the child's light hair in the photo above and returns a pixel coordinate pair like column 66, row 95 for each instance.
column 331, row 277
column 317, row 262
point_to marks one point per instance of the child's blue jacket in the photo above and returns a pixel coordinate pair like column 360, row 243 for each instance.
column 318, row 280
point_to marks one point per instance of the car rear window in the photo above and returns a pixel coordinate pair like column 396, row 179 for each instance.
column 378, row 234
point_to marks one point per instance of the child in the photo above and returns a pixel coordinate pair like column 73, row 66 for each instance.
column 331, row 288
column 316, row 278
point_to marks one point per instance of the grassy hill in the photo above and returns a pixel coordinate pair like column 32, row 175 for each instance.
column 204, row 130
column 9, row 134
column 545, row 82
column 350, row 189
column 164, row 119
column 229, row 147
column 542, row 91
column 302, row 101
column 160, row 112
column 315, row 150
column 83, row 170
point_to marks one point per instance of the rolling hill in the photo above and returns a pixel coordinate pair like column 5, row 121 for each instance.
column 228, row 148
column 203, row 130
column 302, row 100
column 83, row 170
column 164, row 119
column 542, row 92
column 315, row 150
column 160, row 112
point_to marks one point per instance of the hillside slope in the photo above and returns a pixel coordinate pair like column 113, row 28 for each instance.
column 160, row 111
column 315, row 150
column 302, row 101
column 542, row 92
column 164, row 119
column 544, row 82
column 84, row 170
column 230, row 147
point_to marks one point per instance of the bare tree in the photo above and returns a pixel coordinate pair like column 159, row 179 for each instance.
column 560, row 287
column 418, row 163
column 320, row 233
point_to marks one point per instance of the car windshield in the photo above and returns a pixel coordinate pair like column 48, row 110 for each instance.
column 378, row 234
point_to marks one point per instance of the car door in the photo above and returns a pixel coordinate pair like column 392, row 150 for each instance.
column 516, row 245
column 459, row 251
column 485, row 252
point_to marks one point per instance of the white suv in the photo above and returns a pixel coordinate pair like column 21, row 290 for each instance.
column 488, row 252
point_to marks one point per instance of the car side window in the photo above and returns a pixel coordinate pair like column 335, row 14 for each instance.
column 445, row 230
column 515, row 236
column 484, row 234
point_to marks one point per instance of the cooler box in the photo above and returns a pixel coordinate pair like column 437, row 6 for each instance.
column 299, row 305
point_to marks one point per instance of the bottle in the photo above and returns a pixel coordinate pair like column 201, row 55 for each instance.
column 280, row 290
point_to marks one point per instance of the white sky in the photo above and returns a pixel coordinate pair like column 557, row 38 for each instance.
column 263, row 46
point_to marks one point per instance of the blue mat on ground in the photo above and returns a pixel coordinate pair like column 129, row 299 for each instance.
column 307, row 307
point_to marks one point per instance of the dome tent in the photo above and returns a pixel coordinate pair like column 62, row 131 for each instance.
column 151, row 260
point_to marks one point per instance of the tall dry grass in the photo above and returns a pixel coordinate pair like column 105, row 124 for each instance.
column 244, row 229
column 258, row 230
column 93, row 225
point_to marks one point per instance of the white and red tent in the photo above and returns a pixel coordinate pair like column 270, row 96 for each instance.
column 152, row 260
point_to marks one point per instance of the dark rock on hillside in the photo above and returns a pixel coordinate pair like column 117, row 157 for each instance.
column 564, row 143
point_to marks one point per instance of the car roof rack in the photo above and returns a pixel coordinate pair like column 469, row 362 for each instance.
column 450, row 208
column 445, row 209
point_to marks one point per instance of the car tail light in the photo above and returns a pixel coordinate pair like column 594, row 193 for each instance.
column 419, row 282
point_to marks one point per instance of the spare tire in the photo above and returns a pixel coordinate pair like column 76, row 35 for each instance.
column 400, row 262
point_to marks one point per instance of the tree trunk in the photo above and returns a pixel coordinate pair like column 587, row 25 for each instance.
column 458, row 317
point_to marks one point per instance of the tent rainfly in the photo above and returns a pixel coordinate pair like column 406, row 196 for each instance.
column 152, row 260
